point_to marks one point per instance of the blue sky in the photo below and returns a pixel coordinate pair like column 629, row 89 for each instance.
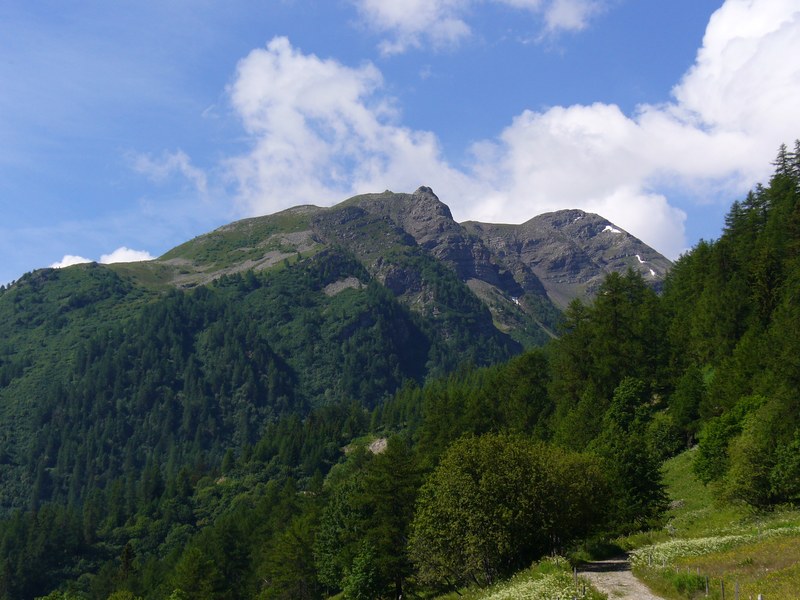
column 128, row 127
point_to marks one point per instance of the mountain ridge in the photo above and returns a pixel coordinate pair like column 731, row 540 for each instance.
column 551, row 255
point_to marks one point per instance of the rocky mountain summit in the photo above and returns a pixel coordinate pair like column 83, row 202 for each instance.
column 570, row 252
column 522, row 273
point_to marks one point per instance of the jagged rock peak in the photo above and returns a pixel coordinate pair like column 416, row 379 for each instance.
column 424, row 190
column 424, row 196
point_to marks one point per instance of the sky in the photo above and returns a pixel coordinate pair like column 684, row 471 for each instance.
column 130, row 126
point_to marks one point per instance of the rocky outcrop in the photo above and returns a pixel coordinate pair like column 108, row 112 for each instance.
column 563, row 255
column 429, row 221
column 570, row 252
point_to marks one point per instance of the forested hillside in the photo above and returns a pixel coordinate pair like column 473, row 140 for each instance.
column 216, row 442
column 193, row 374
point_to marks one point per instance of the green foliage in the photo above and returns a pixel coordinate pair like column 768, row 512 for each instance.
column 196, row 575
column 390, row 483
column 633, row 466
column 369, row 515
column 489, row 508
column 124, row 595
column 664, row 437
column 733, row 315
column 621, row 335
column 628, row 405
column 685, row 402
column 38, row 550
column 785, row 474
column 362, row 581
column 336, row 538
column 190, row 378
column 634, row 472
column 752, row 455
column 711, row 462
column 510, row 397
column 761, row 468
column 287, row 568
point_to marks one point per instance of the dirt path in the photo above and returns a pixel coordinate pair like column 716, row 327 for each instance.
column 614, row 577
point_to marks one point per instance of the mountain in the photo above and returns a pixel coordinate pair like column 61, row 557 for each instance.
column 520, row 272
column 107, row 368
column 570, row 252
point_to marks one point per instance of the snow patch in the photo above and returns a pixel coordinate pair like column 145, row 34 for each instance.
column 639, row 258
column 653, row 273
column 611, row 229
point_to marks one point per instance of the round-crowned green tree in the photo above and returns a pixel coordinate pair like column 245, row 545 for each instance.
column 497, row 502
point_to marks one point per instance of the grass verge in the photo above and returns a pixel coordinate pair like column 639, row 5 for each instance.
column 720, row 547
column 548, row 579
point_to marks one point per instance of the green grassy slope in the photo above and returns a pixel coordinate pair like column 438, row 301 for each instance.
column 728, row 544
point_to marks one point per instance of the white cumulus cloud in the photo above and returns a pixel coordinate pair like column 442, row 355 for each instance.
column 585, row 157
column 69, row 260
column 120, row 255
column 321, row 130
column 745, row 79
column 123, row 255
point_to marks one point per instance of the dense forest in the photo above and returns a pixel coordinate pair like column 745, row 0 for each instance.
column 195, row 449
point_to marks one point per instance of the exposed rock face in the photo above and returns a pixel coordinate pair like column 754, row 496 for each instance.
column 429, row 221
column 565, row 254
column 570, row 252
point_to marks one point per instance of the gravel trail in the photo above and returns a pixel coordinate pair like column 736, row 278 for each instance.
column 614, row 577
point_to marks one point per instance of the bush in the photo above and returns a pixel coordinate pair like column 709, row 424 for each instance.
column 497, row 502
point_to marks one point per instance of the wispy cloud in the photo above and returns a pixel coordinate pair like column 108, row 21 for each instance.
column 445, row 23
column 412, row 23
column 168, row 164
column 321, row 130
column 570, row 15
